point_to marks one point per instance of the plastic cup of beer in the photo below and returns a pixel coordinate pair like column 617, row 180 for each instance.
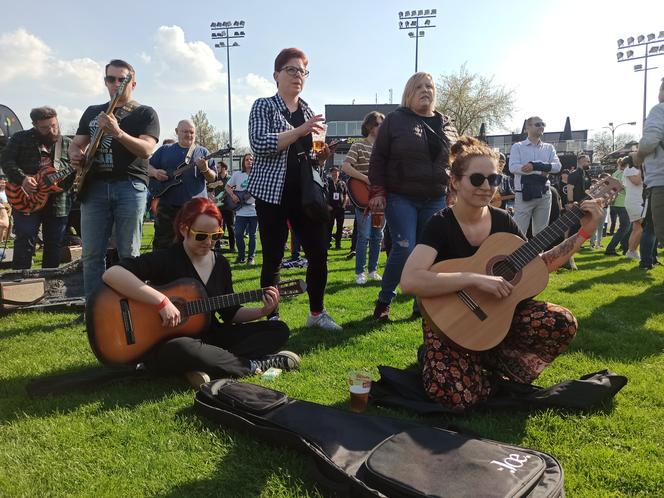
column 319, row 139
column 377, row 219
column 359, row 386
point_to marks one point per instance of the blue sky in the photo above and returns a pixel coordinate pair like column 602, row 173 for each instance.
column 559, row 56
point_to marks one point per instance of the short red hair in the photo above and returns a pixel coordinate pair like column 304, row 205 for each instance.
column 194, row 208
column 287, row 54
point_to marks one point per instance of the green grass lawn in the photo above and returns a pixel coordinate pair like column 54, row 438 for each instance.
column 143, row 438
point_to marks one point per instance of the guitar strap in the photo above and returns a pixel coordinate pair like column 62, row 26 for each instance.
column 57, row 158
column 190, row 153
column 126, row 110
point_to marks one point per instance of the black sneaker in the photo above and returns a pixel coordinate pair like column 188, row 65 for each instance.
column 381, row 312
column 350, row 255
column 240, row 261
column 286, row 360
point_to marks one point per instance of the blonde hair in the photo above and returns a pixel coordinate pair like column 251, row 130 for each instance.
column 467, row 148
column 409, row 89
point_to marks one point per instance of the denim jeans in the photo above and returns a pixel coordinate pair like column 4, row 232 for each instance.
column 648, row 247
column 366, row 234
column 405, row 218
column 120, row 203
column 26, row 226
column 537, row 209
column 246, row 224
column 620, row 236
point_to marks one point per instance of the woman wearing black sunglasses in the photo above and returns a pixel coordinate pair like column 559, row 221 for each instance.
column 540, row 331
column 229, row 349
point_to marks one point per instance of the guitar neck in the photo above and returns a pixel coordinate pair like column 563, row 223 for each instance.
column 544, row 239
column 96, row 139
column 207, row 305
column 59, row 175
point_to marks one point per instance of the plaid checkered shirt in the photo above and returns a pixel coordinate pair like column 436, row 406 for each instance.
column 266, row 122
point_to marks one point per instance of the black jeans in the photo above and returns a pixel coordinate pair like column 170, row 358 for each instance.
column 221, row 352
column 229, row 227
column 336, row 215
column 273, row 229
column 164, row 234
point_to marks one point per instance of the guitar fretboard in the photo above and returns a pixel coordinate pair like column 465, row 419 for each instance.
column 210, row 304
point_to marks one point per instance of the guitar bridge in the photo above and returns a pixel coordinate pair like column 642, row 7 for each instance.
column 126, row 322
column 472, row 305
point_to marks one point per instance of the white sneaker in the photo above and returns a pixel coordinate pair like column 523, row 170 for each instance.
column 633, row 255
column 360, row 279
column 323, row 321
column 375, row 276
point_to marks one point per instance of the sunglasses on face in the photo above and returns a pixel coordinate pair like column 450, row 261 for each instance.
column 294, row 71
column 539, row 124
column 477, row 179
column 201, row 236
column 112, row 79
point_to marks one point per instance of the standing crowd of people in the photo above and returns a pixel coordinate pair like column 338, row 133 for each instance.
column 438, row 195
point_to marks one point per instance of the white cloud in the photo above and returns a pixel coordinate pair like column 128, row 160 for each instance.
column 145, row 57
column 68, row 118
column 26, row 59
column 22, row 53
column 246, row 90
column 185, row 66
column 263, row 86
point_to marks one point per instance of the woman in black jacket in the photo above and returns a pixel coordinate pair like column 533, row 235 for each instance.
column 407, row 174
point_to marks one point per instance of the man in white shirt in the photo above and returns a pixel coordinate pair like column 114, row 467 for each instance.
column 531, row 161
column 651, row 155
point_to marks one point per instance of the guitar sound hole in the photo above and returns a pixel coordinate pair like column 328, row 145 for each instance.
column 503, row 268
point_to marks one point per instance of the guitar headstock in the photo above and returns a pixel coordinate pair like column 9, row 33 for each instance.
column 221, row 152
column 606, row 189
column 291, row 287
column 125, row 81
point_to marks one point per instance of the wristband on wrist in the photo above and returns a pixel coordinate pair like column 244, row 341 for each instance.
column 163, row 304
column 583, row 234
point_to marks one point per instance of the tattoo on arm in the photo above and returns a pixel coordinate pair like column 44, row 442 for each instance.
column 562, row 249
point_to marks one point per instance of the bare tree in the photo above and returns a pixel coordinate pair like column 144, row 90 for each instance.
column 471, row 99
column 602, row 142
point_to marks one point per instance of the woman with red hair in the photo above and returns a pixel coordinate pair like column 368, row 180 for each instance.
column 280, row 133
column 233, row 348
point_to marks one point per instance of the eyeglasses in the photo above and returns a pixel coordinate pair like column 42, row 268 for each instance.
column 539, row 124
column 294, row 71
column 477, row 179
column 112, row 79
column 201, row 236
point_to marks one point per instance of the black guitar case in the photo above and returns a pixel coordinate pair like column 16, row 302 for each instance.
column 357, row 455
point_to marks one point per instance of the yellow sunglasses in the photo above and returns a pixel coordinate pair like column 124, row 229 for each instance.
column 201, row 236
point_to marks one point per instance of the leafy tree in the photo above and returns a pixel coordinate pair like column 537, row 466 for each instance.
column 471, row 99
column 208, row 136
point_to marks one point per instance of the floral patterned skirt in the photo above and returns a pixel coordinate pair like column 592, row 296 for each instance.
column 459, row 379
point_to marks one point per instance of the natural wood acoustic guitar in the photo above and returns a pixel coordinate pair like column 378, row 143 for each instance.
column 121, row 330
column 475, row 320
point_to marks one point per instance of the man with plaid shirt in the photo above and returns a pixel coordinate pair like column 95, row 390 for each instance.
column 26, row 153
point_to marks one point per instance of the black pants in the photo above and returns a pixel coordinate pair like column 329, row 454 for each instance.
column 229, row 227
column 273, row 229
column 336, row 215
column 164, row 234
column 221, row 352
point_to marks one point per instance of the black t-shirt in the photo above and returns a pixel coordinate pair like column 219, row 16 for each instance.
column 581, row 182
column 444, row 234
column 163, row 266
column 432, row 138
column 292, row 189
column 113, row 161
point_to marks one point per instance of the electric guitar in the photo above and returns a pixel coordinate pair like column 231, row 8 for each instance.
column 121, row 330
column 47, row 183
column 475, row 320
column 358, row 191
column 243, row 197
column 158, row 188
column 88, row 161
